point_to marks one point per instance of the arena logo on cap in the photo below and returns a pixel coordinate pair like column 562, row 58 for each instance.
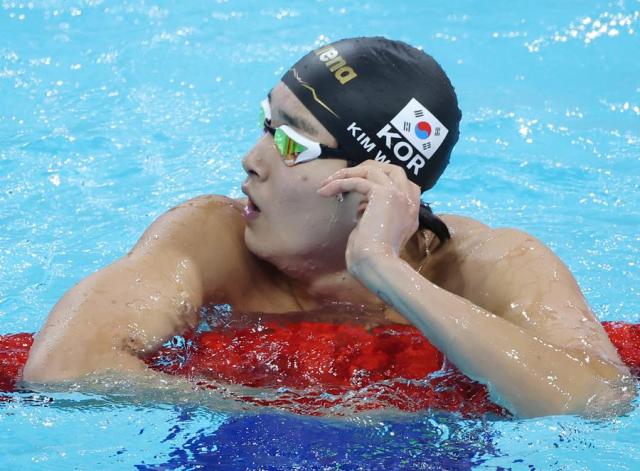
column 336, row 64
column 421, row 130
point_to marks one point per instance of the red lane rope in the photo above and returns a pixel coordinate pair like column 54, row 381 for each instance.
column 322, row 365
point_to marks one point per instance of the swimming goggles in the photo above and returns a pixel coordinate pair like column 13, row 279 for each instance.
column 293, row 146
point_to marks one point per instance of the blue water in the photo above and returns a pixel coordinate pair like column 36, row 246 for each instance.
column 113, row 112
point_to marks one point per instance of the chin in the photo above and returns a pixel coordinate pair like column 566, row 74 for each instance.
column 252, row 241
column 261, row 245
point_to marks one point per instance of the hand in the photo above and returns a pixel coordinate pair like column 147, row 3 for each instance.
column 391, row 205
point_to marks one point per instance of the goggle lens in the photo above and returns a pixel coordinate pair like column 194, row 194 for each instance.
column 289, row 149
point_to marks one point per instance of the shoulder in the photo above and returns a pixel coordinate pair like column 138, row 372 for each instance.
column 208, row 230
column 206, row 207
column 500, row 267
column 184, row 224
column 213, row 202
column 516, row 276
column 468, row 235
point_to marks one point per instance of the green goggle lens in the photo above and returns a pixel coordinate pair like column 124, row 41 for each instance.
column 288, row 148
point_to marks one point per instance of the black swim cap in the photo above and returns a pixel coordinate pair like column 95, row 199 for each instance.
column 382, row 100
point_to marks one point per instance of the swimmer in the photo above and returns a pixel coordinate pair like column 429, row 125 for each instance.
column 353, row 134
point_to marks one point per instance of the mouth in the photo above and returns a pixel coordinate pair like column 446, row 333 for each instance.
column 251, row 211
column 251, row 206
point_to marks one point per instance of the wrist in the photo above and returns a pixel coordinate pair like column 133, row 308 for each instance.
column 384, row 274
column 369, row 261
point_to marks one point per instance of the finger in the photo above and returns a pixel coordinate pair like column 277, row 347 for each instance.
column 402, row 181
column 399, row 178
column 373, row 174
column 357, row 184
column 396, row 173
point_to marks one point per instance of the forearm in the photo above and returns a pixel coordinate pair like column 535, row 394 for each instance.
column 136, row 383
column 523, row 373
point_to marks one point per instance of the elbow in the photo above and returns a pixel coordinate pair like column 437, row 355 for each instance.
column 36, row 373
column 40, row 372
column 595, row 398
column 604, row 400
column 613, row 401
column 613, row 393
column 35, row 369
column 45, row 366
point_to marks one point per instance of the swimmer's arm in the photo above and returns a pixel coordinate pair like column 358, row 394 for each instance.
column 140, row 385
column 129, row 308
column 134, row 383
column 525, row 374
column 114, row 316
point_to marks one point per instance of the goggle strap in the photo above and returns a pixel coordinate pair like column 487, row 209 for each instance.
column 332, row 153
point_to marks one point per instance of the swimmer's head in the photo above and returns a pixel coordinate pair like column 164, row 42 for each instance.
column 289, row 224
column 381, row 99
column 359, row 99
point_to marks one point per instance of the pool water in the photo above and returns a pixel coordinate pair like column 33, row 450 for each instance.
column 113, row 112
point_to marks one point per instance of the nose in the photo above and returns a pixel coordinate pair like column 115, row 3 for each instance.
column 255, row 161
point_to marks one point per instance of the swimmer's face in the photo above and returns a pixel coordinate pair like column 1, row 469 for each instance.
column 294, row 223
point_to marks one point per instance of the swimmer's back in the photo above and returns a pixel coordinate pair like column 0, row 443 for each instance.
column 191, row 255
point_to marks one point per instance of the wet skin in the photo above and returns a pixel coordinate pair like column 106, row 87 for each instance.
column 497, row 302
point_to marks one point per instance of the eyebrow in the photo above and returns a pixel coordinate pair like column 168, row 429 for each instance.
column 295, row 121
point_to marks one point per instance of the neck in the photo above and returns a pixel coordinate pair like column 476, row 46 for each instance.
column 315, row 283
column 337, row 287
